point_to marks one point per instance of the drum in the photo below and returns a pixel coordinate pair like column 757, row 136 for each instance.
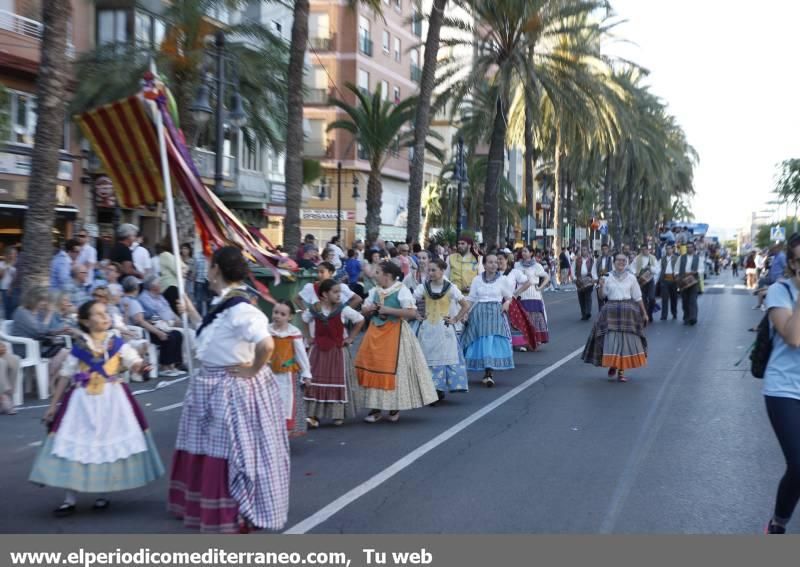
column 584, row 282
column 645, row 277
column 687, row 281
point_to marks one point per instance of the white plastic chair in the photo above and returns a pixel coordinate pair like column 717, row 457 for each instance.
column 152, row 350
column 32, row 359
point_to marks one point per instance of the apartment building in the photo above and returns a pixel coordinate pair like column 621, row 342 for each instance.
column 20, row 54
column 355, row 45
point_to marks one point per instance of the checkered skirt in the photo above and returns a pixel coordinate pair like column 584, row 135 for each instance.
column 241, row 420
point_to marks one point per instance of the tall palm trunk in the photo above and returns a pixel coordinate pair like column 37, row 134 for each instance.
column 494, row 170
column 570, row 192
column 557, row 198
column 294, row 126
column 374, row 202
column 530, row 163
column 51, row 109
column 423, row 119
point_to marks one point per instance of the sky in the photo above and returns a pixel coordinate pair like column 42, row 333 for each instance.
column 728, row 71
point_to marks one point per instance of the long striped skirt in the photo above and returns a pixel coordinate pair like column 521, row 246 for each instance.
column 487, row 339
column 617, row 339
column 535, row 311
column 232, row 453
column 331, row 394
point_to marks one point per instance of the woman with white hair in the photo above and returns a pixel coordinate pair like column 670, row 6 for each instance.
column 169, row 342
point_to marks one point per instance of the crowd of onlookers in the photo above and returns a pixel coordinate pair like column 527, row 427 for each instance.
column 140, row 291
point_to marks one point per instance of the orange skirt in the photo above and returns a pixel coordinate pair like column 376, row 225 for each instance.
column 376, row 361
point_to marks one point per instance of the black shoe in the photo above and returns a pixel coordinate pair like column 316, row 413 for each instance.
column 693, row 322
column 64, row 510
column 101, row 504
column 663, row 318
column 773, row 528
column 674, row 317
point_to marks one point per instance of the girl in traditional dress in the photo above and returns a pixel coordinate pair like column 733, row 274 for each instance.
column 390, row 366
column 330, row 393
column 230, row 470
column 487, row 338
column 617, row 341
column 416, row 280
column 522, row 333
column 531, row 298
column 444, row 307
column 98, row 437
column 290, row 366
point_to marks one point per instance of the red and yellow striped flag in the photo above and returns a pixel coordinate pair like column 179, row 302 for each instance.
column 124, row 137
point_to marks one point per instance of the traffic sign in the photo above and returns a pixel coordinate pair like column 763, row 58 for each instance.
column 777, row 234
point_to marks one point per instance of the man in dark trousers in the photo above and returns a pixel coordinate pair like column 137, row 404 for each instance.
column 690, row 264
column 601, row 268
column 669, row 284
column 583, row 272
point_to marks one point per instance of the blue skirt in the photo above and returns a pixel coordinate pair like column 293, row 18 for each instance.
column 487, row 339
column 135, row 471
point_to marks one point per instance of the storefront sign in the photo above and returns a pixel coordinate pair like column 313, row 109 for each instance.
column 275, row 211
column 19, row 164
column 325, row 214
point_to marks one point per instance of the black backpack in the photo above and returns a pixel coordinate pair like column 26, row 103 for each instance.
column 762, row 347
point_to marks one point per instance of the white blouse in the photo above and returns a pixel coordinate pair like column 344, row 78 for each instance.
column 626, row 288
column 536, row 274
column 300, row 355
column 403, row 296
column 348, row 314
column 495, row 292
column 231, row 338
column 308, row 294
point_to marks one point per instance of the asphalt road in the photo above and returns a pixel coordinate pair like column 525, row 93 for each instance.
column 684, row 447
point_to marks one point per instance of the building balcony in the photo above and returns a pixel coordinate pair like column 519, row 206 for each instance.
column 20, row 25
column 314, row 148
column 365, row 45
column 323, row 43
column 416, row 73
column 204, row 161
column 316, row 96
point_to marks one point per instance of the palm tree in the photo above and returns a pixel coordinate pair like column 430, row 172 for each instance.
column 294, row 117
column 113, row 71
column 379, row 128
column 508, row 32
column 422, row 119
column 51, row 84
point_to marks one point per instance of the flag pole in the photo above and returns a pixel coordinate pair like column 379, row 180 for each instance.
column 173, row 233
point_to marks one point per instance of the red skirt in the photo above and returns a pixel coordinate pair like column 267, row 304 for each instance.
column 199, row 495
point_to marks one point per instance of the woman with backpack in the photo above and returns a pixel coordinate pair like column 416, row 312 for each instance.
column 782, row 383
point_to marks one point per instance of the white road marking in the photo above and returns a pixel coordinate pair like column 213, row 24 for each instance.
column 169, row 407
column 403, row 463
column 157, row 387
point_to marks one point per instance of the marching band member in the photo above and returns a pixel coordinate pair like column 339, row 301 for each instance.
column 690, row 270
column 601, row 268
column 585, row 282
column 617, row 341
column 669, row 283
column 645, row 268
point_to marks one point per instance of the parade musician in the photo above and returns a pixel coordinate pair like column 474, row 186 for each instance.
column 669, row 283
column 585, row 280
column 646, row 269
column 689, row 273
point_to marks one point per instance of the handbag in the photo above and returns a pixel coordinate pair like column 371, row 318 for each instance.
column 51, row 346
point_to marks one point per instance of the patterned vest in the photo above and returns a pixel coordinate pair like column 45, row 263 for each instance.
column 579, row 266
column 463, row 270
column 695, row 264
column 329, row 330
column 674, row 260
column 392, row 301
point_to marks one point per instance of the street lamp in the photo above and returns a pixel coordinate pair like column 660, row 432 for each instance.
column 356, row 195
column 202, row 110
column 460, row 177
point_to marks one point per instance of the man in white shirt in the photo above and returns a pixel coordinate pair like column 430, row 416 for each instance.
column 690, row 264
column 602, row 267
column 141, row 258
column 583, row 269
column 87, row 256
column 643, row 263
column 668, row 283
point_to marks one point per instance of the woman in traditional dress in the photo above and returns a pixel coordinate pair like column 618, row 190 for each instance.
column 522, row 333
column 98, row 437
column 487, row 338
column 531, row 298
column 330, row 393
column 230, row 470
column 390, row 366
column 444, row 306
column 290, row 366
column 416, row 280
column 617, row 341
